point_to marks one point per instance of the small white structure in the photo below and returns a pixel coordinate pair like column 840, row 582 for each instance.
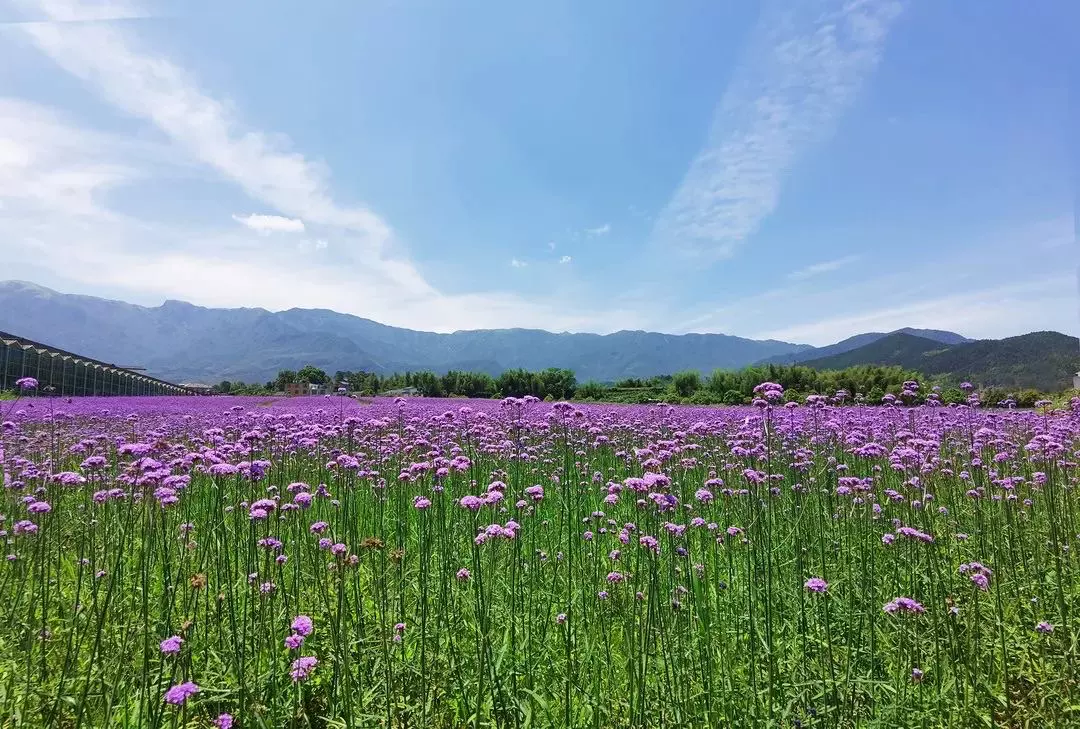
column 1076, row 381
column 401, row 392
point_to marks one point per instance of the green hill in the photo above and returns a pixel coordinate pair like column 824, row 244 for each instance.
column 1041, row 360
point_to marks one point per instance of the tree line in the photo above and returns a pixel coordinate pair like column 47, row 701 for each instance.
column 866, row 383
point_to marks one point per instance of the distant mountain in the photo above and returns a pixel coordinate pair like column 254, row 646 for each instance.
column 896, row 348
column 1040, row 360
column 861, row 340
column 178, row 341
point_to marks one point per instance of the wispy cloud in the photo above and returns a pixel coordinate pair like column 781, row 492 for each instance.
column 598, row 230
column 155, row 89
column 59, row 220
column 804, row 66
column 86, row 11
column 817, row 269
column 270, row 223
column 515, row 263
column 565, row 259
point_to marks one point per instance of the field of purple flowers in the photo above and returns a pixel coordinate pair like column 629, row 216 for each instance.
column 252, row 562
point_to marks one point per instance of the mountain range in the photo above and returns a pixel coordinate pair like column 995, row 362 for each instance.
column 179, row 341
column 182, row 342
column 1043, row 361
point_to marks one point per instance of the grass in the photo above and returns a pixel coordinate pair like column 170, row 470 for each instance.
column 660, row 579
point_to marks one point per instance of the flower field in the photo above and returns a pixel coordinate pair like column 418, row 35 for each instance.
column 324, row 562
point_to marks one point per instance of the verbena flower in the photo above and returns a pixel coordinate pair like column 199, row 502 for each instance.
column 302, row 625
column 171, row 644
column 903, row 605
column 180, row 693
column 302, row 668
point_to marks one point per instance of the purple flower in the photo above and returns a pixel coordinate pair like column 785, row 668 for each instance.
column 903, row 605
column 39, row 507
column 294, row 641
column 560, row 619
column 917, row 675
column 421, row 503
column 26, row 383
column 24, row 526
column 171, row 644
column 302, row 668
column 463, row 574
column 470, row 502
column 224, row 721
column 816, row 584
column 1044, row 627
column 179, row 693
column 303, row 625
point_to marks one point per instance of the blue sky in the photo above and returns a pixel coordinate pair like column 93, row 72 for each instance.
column 799, row 170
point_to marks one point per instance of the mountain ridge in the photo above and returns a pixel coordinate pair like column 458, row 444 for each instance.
column 1043, row 360
column 859, row 340
column 181, row 341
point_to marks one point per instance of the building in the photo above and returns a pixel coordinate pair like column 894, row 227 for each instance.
column 1076, row 381
column 60, row 372
column 401, row 392
column 199, row 388
column 294, row 389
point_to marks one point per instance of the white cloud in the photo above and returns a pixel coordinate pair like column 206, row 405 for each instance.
column 518, row 264
column 599, row 230
column 85, row 11
column 801, row 71
column 989, row 312
column 153, row 88
column 964, row 286
column 45, row 164
column 817, row 269
column 270, row 223
column 565, row 259
column 58, row 220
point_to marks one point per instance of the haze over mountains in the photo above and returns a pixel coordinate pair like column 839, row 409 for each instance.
column 179, row 341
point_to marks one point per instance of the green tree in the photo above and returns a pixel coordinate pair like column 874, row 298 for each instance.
column 591, row 390
column 686, row 383
column 733, row 397
column 313, row 375
column 284, row 377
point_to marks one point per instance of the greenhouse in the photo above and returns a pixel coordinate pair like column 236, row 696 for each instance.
column 65, row 373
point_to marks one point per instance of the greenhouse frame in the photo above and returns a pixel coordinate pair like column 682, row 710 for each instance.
column 59, row 372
